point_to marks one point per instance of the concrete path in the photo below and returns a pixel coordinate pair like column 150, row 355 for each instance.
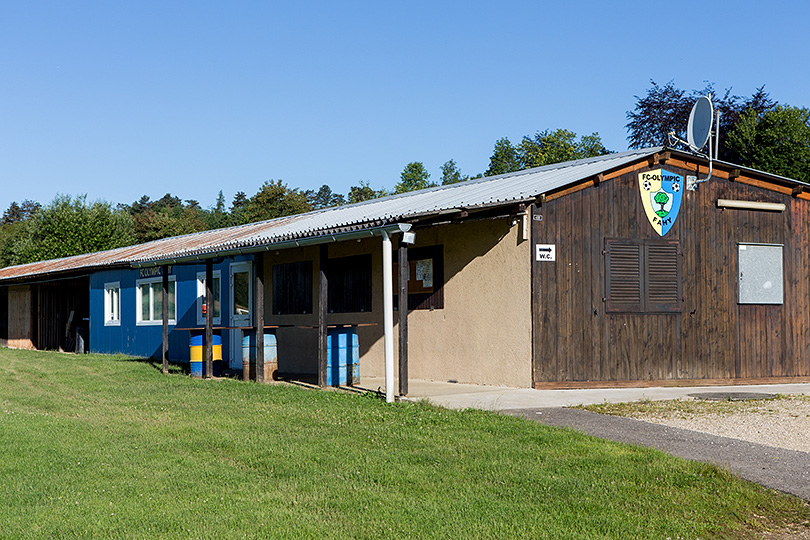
column 494, row 398
column 776, row 468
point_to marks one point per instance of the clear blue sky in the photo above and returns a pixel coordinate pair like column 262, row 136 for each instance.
column 121, row 99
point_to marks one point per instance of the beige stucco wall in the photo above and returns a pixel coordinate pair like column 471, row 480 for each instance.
column 483, row 333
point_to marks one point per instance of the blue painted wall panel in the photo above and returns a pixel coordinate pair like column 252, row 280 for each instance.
column 145, row 340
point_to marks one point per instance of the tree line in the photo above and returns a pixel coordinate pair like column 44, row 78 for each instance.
column 755, row 132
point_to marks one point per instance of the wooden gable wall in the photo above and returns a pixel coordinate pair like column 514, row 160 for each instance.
column 713, row 338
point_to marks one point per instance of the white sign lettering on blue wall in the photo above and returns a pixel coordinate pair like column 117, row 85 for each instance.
column 152, row 271
column 545, row 252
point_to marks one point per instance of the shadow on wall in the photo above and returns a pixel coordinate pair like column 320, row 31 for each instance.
column 461, row 245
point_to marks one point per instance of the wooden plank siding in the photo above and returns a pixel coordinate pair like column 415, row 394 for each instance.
column 712, row 338
column 3, row 316
column 19, row 318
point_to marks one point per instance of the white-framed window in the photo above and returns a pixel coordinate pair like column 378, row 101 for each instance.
column 149, row 301
column 217, row 290
column 112, row 304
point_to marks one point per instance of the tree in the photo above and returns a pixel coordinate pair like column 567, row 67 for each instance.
column 661, row 198
column 69, row 226
column 505, row 158
column 238, row 204
column 661, row 111
column 666, row 109
column 324, row 198
column 13, row 214
column 549, row 147
column 451, row 174
column 166, row 202
column 545, row 148
column 218, row 217
column 140, row 206
column 8, row 236
column 165, row 217
column 776, row 141
column 274, row 200
column 20, row 212
column 591, row 146
column 413, row 177
column 364, row 192
column 29, row 208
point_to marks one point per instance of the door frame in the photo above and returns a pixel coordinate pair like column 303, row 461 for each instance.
column 239, row 320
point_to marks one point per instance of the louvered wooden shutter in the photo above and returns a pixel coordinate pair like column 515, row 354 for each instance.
column 663, row 277
column 643, row 276
column 623, row 259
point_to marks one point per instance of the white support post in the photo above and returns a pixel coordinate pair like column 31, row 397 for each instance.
column 388, row 317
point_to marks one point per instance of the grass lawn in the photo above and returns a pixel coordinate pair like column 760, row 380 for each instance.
column 107, row 447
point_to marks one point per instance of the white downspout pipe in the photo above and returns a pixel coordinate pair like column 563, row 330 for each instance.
column 388, row 317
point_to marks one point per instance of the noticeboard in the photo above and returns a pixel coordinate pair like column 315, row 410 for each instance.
column 760, row 274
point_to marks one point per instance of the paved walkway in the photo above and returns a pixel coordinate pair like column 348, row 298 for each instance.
column 494, row 398
column 776, row 468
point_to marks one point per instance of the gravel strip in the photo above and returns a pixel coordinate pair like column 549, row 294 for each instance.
column 780, row 423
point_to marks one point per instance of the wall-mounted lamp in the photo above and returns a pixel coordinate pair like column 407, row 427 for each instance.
column 408, row 238
column 751, row 205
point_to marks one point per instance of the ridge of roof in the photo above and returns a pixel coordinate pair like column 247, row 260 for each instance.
column 489, row 191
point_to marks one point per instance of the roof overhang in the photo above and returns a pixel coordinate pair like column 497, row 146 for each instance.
column 327, row 238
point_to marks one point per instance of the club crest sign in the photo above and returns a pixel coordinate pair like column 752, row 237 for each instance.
column 661, row 197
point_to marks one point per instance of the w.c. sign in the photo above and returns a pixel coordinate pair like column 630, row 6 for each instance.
column 545, row 252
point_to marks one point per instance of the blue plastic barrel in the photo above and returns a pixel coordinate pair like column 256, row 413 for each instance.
column 249, row 355
column 343, row 357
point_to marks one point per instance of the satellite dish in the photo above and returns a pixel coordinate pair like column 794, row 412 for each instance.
column 700, row 123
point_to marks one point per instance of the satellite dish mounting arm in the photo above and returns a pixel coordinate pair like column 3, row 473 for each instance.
column 716, row 150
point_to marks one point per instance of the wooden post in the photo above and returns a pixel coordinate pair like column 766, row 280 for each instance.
column 258, row 311
column 323, row 294
column 164, row 296
column 209, row 318
column 404, row 276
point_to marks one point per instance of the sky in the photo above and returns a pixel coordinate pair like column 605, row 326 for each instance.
column 117, row 100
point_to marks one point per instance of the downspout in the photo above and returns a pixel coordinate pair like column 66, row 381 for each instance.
column 388, row 316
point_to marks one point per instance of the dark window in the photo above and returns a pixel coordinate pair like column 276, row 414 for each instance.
column 426, row 281
column 349, row 281
column 292, row 288
column 643, row 276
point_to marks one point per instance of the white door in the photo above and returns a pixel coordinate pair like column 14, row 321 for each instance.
column 241, row 307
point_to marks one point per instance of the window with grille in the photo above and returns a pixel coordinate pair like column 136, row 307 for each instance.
column 643, row 276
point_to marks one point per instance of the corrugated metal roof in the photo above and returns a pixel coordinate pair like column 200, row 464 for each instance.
column 480, row 193
column 126, row 255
